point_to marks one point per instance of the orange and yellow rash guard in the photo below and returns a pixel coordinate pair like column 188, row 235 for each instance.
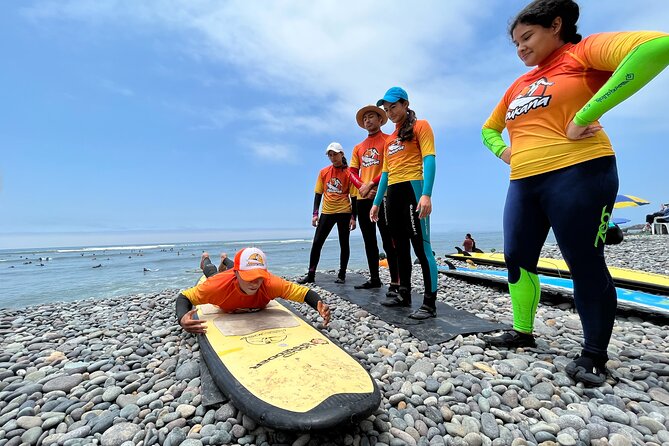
column 539, row 105
column 403, row 160
column 223, row 291
column 334, row 184
column 368, row 157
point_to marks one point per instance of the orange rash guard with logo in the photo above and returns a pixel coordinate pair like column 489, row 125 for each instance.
column 368, row 157
column 223, row 291
column 558, row 88
column 335, row 184
column 403, row 160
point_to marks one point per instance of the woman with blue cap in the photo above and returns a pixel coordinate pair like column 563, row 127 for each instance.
column 408, row 177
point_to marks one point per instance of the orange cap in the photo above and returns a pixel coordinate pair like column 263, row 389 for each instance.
column 251, row 264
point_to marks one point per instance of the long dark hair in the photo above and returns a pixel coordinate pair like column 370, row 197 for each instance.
column 405, row 133
column 543, row 12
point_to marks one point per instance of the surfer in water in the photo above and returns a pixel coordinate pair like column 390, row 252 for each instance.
column 248, row 286
column 563, row 168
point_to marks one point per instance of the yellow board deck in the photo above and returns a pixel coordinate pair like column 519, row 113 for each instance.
column 281, row 371
column 622, row 277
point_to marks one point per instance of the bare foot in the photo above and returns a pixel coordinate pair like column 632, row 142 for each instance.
column 205, row 255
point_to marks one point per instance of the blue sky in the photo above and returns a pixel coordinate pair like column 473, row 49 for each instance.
column 152, row 119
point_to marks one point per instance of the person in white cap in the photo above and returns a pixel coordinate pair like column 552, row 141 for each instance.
column 333, row 186
column 248, row 286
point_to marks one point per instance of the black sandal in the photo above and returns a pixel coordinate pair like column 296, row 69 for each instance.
column 369, row 285
column 585, row 369
column 396, row 301
column 424, row 312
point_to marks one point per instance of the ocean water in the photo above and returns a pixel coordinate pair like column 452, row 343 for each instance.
column 36, row 276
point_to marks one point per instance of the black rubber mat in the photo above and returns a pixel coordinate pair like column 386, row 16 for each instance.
column 449, row 322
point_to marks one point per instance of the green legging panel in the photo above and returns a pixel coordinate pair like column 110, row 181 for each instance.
column 525, row 296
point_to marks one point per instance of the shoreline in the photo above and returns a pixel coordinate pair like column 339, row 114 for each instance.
column 119, row 371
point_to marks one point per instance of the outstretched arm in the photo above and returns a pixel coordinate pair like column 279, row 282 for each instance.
column 185, row 313
column 314, row 301
column 639, row 67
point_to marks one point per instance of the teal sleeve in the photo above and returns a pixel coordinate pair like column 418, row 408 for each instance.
column 493, row 140
column 381, row 190
column 429, row 170
column 641, row 65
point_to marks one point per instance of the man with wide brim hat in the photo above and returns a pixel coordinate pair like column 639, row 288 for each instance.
column 248, row 286
column 371, row 108
column 365, row 173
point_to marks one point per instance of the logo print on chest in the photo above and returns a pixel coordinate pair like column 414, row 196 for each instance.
column 532, row 97
column 371, row 157
column 395, row 147
column 334, row 186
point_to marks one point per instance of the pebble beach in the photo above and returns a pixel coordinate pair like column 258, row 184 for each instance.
column 121, row 372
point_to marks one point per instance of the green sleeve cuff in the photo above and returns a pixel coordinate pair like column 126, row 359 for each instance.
column 493, row 140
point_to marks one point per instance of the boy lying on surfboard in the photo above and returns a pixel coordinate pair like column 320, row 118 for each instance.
column 248, row 286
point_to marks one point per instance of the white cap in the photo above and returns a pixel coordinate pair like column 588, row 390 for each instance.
column 251, row 264
column 335, row 147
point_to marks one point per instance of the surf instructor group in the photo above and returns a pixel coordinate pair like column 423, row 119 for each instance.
column 556, row 145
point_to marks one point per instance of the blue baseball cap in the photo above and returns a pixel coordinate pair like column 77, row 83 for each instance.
column 393, row 94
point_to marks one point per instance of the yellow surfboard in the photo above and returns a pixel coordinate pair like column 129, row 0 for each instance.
column 622, row 277
column 282, row 372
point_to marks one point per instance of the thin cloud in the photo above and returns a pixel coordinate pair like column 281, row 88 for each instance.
column 274, row 152
column 340, row 55
column 116, row 88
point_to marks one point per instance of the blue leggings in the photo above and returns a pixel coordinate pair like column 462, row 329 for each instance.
column 576, row 202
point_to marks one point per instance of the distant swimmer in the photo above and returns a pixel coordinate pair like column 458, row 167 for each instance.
column 96, row 266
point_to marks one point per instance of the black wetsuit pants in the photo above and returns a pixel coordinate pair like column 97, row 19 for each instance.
column 368, row 230
column 408, row 230
column 325, row 224
column 576, row 202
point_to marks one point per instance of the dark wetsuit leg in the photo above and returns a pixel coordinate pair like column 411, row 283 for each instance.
column 343, row 227
column 580, row 224
column 576, row 201
column 526, row 227
column 407, row 229
column 368, row 230
column 388, row 243
column 325, row 224
column 420, row 240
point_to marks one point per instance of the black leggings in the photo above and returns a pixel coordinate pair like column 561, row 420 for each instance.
column 408, row 230
column 325, row 224
column 368, row 230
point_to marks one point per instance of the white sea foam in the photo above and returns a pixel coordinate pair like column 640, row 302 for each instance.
column 115, row 248
column 269, row 242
